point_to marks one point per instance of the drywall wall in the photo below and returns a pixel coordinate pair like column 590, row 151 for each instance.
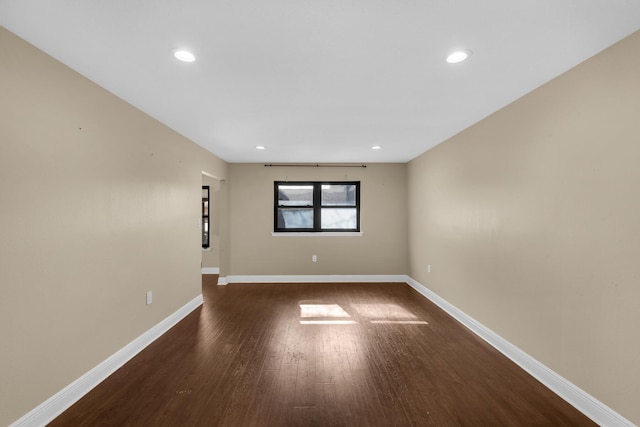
column 382, row 249
column 99, row 203
column 529, row 220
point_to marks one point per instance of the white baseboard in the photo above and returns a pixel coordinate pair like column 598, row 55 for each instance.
column 58, row 403
column 210, row 270
column 315, row 279
column 578, row 398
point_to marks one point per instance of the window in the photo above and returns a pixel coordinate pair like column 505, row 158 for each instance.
column 316, row 206
column 205, row 216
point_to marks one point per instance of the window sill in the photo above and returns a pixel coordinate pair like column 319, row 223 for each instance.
column 319, row 234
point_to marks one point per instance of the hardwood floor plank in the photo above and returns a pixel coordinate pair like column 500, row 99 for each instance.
column 319, row 355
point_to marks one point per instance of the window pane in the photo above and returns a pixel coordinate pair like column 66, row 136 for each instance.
column 339, row 218
column 295, row 195
column 295, row 218
column 338, row 195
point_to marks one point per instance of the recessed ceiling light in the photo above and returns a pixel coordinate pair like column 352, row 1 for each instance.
column 376, row 147
column 184, row 55
column 458, row 56
column 260, row 147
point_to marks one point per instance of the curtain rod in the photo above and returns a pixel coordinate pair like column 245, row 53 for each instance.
column 314, row 165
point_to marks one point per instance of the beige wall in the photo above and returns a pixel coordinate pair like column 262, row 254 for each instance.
column 99, row 203
column 530, row 221
column 381, row 250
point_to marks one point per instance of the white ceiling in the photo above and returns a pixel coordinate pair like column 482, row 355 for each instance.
column 320, row 80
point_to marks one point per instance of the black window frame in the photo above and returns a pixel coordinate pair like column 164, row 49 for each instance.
column 206, row 226
column 316, row 206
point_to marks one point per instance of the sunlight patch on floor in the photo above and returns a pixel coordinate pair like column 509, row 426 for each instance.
column 383, row 311
column 324, row 314
column 402, row 322
column 327, row 322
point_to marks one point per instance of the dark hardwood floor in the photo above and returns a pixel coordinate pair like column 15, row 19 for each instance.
column 319, row 355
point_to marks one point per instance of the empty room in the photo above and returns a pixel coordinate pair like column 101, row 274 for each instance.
column 305, row 213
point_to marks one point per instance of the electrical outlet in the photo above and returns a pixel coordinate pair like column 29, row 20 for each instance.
column 149, row 297
column 314, row 258
column 428, row 268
